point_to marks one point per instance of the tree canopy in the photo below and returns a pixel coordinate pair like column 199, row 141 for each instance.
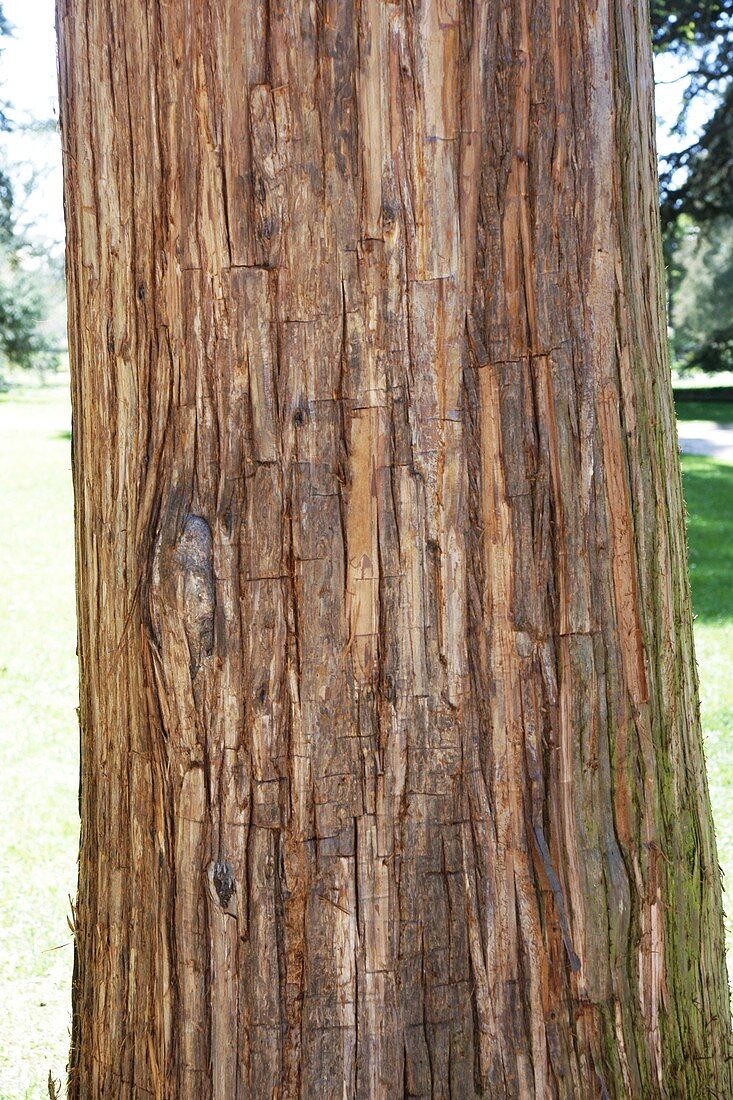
column 702, row 32
column 24, row 301
column 696, row 184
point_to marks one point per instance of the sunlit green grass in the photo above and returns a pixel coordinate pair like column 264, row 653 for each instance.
column 38, row 728
column 709, row 495
column 38, row 739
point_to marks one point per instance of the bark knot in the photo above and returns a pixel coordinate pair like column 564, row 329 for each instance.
column 194, row 558
column 222, row 886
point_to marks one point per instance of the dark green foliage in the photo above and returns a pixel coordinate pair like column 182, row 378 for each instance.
column 679, row 24
column 23, row 312
column 696, row 186
column 701, row 307
column 706, row 191
column 25, row 301
column 704, row 33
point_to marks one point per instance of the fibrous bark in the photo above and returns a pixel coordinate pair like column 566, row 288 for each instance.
column 392, row 781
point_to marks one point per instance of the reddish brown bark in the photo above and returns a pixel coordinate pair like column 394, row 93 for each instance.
column 392, row 780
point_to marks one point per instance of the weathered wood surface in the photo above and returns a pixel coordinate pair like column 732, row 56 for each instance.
column 392, row 782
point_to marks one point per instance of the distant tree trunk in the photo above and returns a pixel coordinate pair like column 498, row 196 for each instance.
column 392, row 780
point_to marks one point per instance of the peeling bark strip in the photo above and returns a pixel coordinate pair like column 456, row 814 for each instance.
column 392, row 782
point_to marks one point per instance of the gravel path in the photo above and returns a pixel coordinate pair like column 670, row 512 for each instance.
column 704, row 437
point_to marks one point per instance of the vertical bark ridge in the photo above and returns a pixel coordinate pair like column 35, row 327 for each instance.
column 392, row 780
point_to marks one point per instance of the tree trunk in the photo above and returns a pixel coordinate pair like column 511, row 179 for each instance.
column 392, row 780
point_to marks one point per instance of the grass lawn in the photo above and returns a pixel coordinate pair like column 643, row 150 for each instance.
column 38, row 739
column 719, row 411
column 709, row 495
column 38, row 725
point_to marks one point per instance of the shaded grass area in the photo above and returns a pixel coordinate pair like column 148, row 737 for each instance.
column 721, row 412
column 38, row 739
column 38, row 727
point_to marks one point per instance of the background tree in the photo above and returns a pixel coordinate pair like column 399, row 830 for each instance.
column 702, row 33
column 703, row 316
column 27, row 337
column 697, row 186
column 392, row 780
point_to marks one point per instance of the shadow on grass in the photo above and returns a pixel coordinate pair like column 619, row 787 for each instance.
column 708, row 489
column 720, row 412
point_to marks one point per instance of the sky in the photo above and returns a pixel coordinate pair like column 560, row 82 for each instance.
column 28, row 81
column 28, row 76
